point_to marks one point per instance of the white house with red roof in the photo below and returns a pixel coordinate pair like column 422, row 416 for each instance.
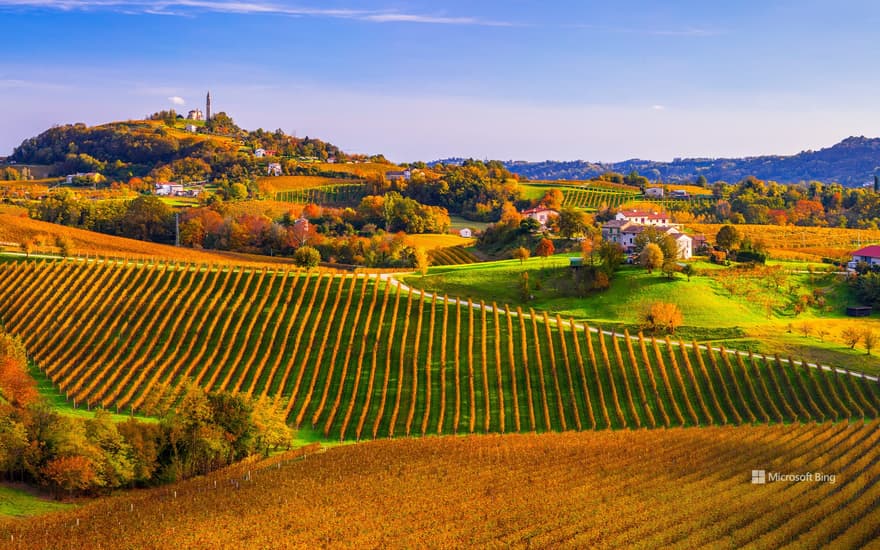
column 643, row 217
column 541, row 214
column 869, row 254
column 625, row 232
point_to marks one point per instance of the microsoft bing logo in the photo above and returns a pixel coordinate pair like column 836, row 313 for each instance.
column 759, row 477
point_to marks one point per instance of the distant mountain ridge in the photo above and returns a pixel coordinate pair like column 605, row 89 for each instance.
column 852, row 162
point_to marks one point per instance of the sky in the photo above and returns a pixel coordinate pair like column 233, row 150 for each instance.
column 423, row 80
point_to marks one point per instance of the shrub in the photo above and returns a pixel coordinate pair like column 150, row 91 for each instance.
column 662, row 316
column 306, row 256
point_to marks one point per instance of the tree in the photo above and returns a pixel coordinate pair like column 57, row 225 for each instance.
column 662, row 316
column 869, row 340
column 521, row 253
column 612, row 255
column 590, row 246
column 27, row 246
column 545, row 248
column 689, row 270
column 422, row 261
column 851, row 336
column 306, row 256
column 651, row 257
column 552, row 199
column 728, row 237
column 666, row 243
column 69, row 473
column 65, row 245
column 571, row 222
column 238, row 191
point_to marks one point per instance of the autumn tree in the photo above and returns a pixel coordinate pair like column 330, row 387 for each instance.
column 421, row 260
column 728, row 237
column 27, row 246
column 851, row 336
column 651, row 257
column 70, row 474
column 545, row 248
column 662, row 316
column 869, row 340
column 16, row 385
column 552, row 199
column 521, row 253
column 571, row 222
column 306, row 256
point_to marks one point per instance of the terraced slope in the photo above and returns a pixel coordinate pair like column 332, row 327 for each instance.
column 649, row 489
column 356, row 357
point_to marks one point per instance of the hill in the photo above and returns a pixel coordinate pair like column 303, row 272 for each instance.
column 356, row 357
column 852, row 162
column 682, row 488
column 17, row 228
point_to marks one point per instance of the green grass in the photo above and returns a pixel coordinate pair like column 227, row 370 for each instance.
column 63, row 406
column 16, row 502
column 711, row 312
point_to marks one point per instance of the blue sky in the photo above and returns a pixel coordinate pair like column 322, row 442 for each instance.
column 508, row 79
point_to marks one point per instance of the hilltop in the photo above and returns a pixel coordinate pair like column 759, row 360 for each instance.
column 851, row 162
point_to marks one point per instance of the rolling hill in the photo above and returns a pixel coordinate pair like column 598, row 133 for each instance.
column 677, row 488
column 853, row 162
column 356, row 357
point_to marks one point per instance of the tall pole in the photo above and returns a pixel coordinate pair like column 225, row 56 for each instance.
column 177, row 229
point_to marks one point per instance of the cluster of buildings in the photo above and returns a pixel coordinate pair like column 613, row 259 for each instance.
column 627, row 225
column 168, row 189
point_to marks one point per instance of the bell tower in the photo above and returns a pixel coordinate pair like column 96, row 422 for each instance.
column 208, row 107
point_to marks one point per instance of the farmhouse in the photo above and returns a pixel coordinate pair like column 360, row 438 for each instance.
column 643, row 217
column 260, row 152
column 869, row 254
column 625, row 232
column 169, row 189
column 466, row 233
column 654, row 192
column 192, row 128
column 392, row 175
column 541, row 214
column 195, row 114
column 274, row 169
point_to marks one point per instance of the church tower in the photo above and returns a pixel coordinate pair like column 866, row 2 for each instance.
column 208, row 107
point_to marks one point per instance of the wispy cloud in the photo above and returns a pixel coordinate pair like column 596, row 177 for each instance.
column 693, row 32
column 10, row 83
column 190, row 7
column 658, row 107
column 176, row 99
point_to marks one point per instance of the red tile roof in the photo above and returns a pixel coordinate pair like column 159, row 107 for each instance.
column 872, row 251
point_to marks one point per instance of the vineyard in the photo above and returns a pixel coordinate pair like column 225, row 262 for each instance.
column 356, row 357
column 451, row 255
column 290, row 183
column 790, row 237
column 589, row 197
column 659, row 488
column 331, row 195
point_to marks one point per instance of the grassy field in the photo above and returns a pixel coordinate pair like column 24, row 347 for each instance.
column 19, row 502
column 353, row 358
column 733, row 307
column 459, row 223
column 676, row 488
column 431, row 241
